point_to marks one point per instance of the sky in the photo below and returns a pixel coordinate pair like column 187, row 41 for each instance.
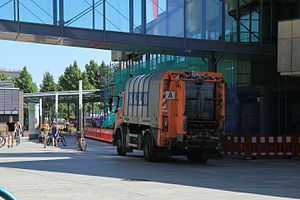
column 40, row 58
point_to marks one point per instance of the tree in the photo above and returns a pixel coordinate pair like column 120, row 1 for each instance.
column 98, row 76
column 25, row 82
column 93, row 72
column 4, row 77
column 48, row 83
column 69, row 80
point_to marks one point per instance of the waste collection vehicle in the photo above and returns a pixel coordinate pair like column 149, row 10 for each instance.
column 171, row 113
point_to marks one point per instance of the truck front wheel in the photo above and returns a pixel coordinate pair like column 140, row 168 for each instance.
column 196, row 157
column 150, row 150
column 120, row 146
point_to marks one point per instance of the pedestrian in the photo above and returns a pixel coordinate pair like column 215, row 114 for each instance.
column 45, row 128
column 10, row 131
column 55, row 135
column 19, row 130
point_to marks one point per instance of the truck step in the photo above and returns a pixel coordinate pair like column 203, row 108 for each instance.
column 133, row 135
column 132, row 145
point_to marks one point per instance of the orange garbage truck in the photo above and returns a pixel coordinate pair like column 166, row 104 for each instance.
column 171, row 113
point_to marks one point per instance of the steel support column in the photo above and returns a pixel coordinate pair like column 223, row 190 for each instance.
column 144, row 21
column 61, row 13
column 56, row 107
column 212, row 62
column 104, row 15
column 55, row 12
column 41, row 111
column 15, row 13
column 203, row 19
column 130, row 16
column 223, row 20
column 18, row 10
column 261, row 24
column 266, row 111
column 93, row 13
column 80, row 108
column 68, row 111
column 93, row 107
column 238, row 20
column 184, row 18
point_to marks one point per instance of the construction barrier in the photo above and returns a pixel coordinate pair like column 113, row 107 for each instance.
column 261, row 146
column 102, row 134
column 297, row 145
column 233, row 145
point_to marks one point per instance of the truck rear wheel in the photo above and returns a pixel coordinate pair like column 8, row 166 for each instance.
column 121, row 150
column 150, row 150
column 196, row 157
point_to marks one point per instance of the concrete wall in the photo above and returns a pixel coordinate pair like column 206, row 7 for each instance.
column 20, row 114
column 289, row 47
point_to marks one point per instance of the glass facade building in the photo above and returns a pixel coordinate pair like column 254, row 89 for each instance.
column 247, row 21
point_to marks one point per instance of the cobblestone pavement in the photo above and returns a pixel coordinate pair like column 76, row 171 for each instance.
column 31, row 172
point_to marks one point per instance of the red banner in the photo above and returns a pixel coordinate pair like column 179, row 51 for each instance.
column 155, row 8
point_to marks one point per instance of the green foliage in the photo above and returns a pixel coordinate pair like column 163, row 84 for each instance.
column 98, row 76
column 93, row 73
column 4, row 77
column 63, row 110
column 69, row 80
column 48, row 83
column 25, row 82
column 106, row 74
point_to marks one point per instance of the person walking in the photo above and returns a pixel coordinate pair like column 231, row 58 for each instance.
column 19, row 130
column 45, row 128
column 10, row 131
column 55, row 134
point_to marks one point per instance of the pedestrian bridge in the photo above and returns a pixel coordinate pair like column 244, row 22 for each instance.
column 149, row 26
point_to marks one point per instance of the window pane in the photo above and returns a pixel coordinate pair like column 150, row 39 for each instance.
column 117, row 15
column 80, row 14
column 99, row 14
column 41, row 12
column 244, row 37
column 255, row 26
column 230, row 21
column 165, row 17
column 6, row 10
column 204, row 19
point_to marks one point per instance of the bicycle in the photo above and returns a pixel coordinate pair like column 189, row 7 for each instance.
column 61, row 139
column 2, row 141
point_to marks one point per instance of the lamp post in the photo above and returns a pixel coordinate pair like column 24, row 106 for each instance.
column 80, row 109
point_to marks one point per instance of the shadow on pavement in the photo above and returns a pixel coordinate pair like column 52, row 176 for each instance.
column 279, row 178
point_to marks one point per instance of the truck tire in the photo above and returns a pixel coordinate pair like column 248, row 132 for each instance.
column 150, row 150
column 196, row 157
column 121, row 150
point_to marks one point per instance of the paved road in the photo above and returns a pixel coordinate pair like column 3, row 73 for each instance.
column 31, row 172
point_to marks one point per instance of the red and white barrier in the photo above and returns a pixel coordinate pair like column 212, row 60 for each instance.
column 102, row 134
column 297, row 146
column 261, row 146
